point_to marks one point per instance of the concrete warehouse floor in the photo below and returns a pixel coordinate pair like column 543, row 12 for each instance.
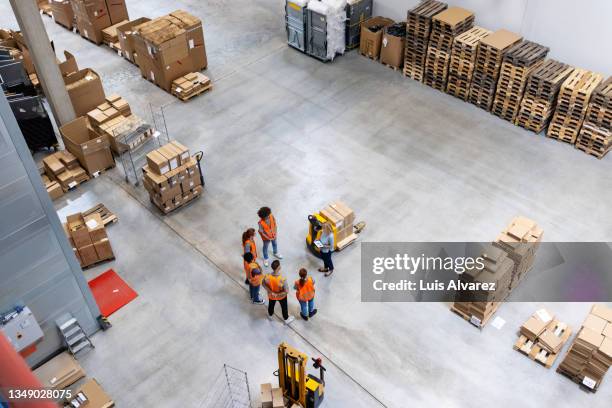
column 284, row 130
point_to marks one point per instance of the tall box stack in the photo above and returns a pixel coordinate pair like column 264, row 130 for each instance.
column 88, row 238
column 519, row 62
column 171, row 177
column 572, row 105
column 520, row 240
column 169, row 47
column 62, row 13
column 590, row 355
column 91, row 18
column 342, row 218
column 463, row 60
column 393, row 45
column 357, row 11
column 595, row 137
column 63, row 168
column 126, row 41
column 540, row 96
column 445, row 27
column 488, row 63
column 418, row 31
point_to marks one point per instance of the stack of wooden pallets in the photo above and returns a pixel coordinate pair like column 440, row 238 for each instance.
column 543, row 86
column 572, row 105
column 519, row 62
column 445, row 27
column 595, row 137
column 488, row 63
column 463, row 59
column 418, row 30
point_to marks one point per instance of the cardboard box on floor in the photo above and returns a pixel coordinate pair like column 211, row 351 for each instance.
column 370, row 42
column 85, row 90
column 88, row 237
column 59, row 372
column 69, row 66
column 392, row 50
column 63, row 168
column 125, row 32
column 62, row 13
column 91, row 17
column 94, row 394
column 91, row 149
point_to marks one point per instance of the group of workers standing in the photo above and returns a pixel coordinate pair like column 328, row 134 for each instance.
column 275, row 283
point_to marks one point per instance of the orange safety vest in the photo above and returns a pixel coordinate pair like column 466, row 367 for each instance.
column 270, row 230
column 276, row 283
column 255, row 280
column 252, row 247
column 306, row 292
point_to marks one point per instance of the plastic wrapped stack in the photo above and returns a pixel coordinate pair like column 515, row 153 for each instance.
column 333, row 14
column 595, row 137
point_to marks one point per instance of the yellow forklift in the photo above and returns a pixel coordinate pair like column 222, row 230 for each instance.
column 305, row 390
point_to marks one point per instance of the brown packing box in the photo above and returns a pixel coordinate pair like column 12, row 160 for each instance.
column 182, row 151
column 345, row 211
column 117, row 11
column 78, row 230
column 92, row 150
column 595, row 323
column 589, row 336
column 602, row 311
column 278, row 401
column 88, row 255
column 85, row 90
column 95, row 225
column 59, row 372
column 55, row 190
column 157, row 162
column 126, row 37
column 370, row 42
column 103, row 249
column 53, row 165
column 62, row 13
column 95, row 394
column 392, row 51
column 171, row 155
column 332, row 216
column 533, row 328
column 608, row 330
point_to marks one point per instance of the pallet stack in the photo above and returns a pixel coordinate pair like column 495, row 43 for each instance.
column 418, row 30
column 541, row 93
column 462, row 63
column 63, row 168
column 190, row 85
column 88, row 238
column 519, row 62
column 171, row 177
column 590, row 355
column 572, row 105
column 595, row 137
column 488, row 63
column 445, row 27
column 520, row 240
column 542, row 337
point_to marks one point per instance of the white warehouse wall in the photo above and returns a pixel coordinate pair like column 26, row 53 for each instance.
column 577, row 32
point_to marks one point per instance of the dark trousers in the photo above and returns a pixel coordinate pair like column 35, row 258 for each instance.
column 327, row 261
column 283, row 303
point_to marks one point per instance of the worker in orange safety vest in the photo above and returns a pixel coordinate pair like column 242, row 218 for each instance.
column 248, row 245
column 255, row 277
column 268, row 233
column 305, row 293
column 276, row 285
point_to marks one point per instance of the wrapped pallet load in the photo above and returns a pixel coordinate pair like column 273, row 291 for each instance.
column 326, row 29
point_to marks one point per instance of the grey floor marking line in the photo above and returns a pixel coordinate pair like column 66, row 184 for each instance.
column 240, row 285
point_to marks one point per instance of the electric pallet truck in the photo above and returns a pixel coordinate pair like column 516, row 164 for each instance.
column 315, row 228
column 307, row 391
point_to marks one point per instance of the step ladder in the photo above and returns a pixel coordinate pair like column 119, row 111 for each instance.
column 73, row 334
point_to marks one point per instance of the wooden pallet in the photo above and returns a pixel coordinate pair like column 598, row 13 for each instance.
column 369, row 56
column 195, row 93
column 101, row 261
column 107, row 215
column 471, row 319
column 526, row 53
column 537, row 353
column 393, row 67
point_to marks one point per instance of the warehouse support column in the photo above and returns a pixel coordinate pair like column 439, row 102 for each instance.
column 43, row 56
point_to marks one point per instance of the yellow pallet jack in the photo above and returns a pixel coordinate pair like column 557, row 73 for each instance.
column 315, row 228
column 307, row 391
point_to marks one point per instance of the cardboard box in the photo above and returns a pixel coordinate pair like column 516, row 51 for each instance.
column 62, row 13
column 88, row 255
column 59, row 372
column 126, row 40
column 95, row 394
column 595, row 323
column 266, row 395
column 278, row 401
column 91, row 149
column 95, row 226
column 55, row 190
column 182, row 151
column 117, row 11
column 171, row 155
column 103, row 249
column 392, row 51
column 85, row 90
column 332, row 216
column 157, row 162
column 370, row 42
column 345, row 211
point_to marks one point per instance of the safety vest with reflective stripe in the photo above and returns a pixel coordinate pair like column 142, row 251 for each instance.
column 269, row 230
column 255, row 280
column 276, row 285
column 305, row 292
column 252, row 248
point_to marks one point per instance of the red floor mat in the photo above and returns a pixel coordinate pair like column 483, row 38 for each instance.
column 111, row 292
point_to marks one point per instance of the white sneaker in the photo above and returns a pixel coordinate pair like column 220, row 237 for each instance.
column 259, row 302
column 266, row 264
column 289, row 320
column 270, row 317
column 278, row 256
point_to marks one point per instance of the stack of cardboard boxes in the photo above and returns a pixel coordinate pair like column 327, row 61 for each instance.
column 445, row 27
column 85, row 90
column 271, row 397
column 418, row 30
column 572, row 105
column 91, row 149
column 169, row 47
column 190, row 85
column 590, row 355
column 63, row 168
column 115, row 120
column 393, row 45
column 541, row 92
column 595, row 137
column 542, row 337
column 488, row 63
column 92, row 16
column 171, row 177
column 370, row 40
column 463, row 59
column 125, row 35
column 110, row 35
column 53, row 187
column 520, row 240
column 342, row 219
column 88, row 238
column 519, row 62
column 62, row 13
